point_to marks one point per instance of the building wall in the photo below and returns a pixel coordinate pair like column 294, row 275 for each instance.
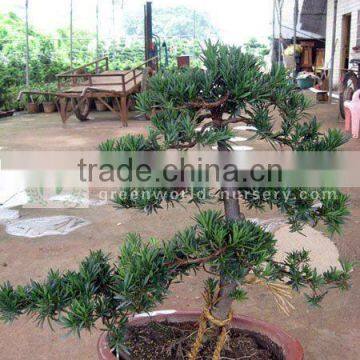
column 344, row 7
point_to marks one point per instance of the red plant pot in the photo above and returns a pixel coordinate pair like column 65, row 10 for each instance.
column 32, row 108
column 49, row 107
column 291, row 348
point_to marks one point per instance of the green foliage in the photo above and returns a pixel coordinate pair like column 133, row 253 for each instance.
column 178, row 101
column 152, row 199
column 147, row 199
column 297, row 267
column 300, row 206
column 254, row 47
column 9, row 98
column 239, row 295
column 49, row 56
column 50, row 88
column 126, row 143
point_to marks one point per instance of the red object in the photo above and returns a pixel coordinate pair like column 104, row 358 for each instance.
column 347, row 119
column 183, row 61
column 352, row 115
column 32, row 108
column 292, row 349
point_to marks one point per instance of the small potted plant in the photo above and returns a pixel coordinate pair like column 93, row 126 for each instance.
column 235, row 253
column 47, row 100
column 30, row 103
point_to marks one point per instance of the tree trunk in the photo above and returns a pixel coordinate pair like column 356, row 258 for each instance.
column 222, row 308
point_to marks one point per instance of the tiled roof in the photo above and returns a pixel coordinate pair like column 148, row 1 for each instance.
column 313, row 16
column 312, row 19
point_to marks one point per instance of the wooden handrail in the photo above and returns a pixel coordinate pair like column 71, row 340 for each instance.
column 35, row 92
column 133, row 78
column 87, row 75
column 141, row 65
column 68, row 73
column 90, row 76
column 106, row 58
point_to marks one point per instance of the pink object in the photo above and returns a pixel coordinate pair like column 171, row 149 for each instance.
column 292, row 350
column 352, row 115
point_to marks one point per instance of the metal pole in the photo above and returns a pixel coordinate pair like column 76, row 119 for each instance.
column 194, row 32
column 71, row 34
column 97, row 30
column 148, row 29
column 280, row 5
column 273, row 32
column 333, row 46
column 27, row 69
column 296, row 20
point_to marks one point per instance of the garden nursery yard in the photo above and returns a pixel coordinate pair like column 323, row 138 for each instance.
column 173, row 187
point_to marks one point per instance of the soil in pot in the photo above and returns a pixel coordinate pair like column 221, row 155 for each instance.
column 32, row 108
column 171, row 341
column 49, row 107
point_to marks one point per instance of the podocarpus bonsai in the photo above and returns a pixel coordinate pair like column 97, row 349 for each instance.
column 232, row 88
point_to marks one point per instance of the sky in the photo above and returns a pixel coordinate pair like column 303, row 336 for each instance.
column 237, row 20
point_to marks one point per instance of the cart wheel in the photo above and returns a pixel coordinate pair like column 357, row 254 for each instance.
column 349, row 86
column 81, row 108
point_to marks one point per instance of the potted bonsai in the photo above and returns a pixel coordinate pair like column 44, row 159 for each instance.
column 235, row 252
column 47, row 100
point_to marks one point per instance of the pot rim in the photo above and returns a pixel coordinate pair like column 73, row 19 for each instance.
column 291, row 347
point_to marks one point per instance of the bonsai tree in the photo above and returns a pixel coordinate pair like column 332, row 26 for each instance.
column 231, row 88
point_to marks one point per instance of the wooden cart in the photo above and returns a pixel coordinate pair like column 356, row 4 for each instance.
column 78, row 87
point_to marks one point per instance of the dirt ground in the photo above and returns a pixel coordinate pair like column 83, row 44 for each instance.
column 47, row 132
column 329, row 333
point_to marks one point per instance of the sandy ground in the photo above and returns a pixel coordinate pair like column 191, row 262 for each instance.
column 331, row 333
column 47, row 132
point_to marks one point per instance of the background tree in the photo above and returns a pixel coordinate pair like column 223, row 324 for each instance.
column 172, row 22
column 253, row 46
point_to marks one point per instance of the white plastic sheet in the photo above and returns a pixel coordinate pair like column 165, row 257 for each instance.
column 7, row 215
column 39, row 227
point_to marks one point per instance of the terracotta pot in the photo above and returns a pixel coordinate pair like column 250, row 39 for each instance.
column 100, row 106
column 32, row 108
column 292, row 349
column 49, row 107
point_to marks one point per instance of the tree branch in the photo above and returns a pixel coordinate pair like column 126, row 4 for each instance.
column 198, row 261
column 202, row 104
column 239, row 119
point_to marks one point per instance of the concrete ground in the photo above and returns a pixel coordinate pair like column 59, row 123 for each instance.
column 329, row 333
